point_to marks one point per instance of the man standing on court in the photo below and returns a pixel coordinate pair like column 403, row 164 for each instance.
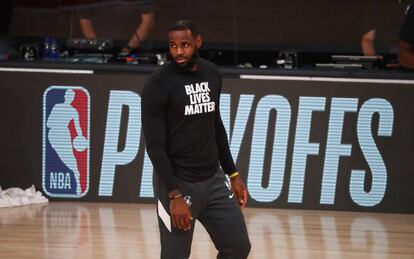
column 188, row 146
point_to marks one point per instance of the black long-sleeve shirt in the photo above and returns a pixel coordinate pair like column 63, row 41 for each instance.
column 183, row 130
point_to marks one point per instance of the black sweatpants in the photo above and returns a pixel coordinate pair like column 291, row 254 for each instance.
column 215, row 206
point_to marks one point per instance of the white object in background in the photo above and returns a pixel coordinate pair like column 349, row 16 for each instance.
column 17, row 197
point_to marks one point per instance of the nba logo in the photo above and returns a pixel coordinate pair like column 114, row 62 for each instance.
column 66, row 112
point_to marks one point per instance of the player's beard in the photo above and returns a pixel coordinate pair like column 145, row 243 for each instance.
column 189, row 65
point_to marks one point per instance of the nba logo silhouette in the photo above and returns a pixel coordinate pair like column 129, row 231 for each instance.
column 66, row 115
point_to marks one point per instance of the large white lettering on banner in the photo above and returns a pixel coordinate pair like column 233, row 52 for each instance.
column 288, row 129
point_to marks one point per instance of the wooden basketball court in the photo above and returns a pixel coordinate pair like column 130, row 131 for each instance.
column 112, row 230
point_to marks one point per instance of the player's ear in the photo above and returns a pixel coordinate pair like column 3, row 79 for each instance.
column 199, row 41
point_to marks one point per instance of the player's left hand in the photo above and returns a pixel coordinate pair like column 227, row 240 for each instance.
column 240, row 190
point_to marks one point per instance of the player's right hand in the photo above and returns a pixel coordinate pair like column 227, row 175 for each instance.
column 180, row 214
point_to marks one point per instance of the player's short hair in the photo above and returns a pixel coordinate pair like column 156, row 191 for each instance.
column 184, row 25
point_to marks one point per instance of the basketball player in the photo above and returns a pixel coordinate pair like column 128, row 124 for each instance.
column 188, row 146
